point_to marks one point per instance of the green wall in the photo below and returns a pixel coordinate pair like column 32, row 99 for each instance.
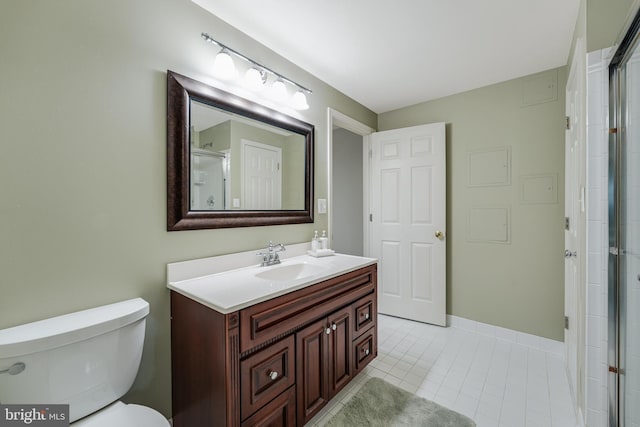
column 83, row 169
column 83, row 159
column 605, row 22
column 518, row 285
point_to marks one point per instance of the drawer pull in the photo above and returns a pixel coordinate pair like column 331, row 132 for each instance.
column 273, row 375
column 334, row 326
column 366, row 316
column 327, row 331
column 366, row 352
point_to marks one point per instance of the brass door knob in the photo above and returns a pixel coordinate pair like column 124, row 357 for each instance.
column 440, row 235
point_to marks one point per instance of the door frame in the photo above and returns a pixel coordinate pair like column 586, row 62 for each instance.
column 576, row 303
column 337, row 119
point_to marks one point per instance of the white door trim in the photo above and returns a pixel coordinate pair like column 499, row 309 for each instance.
column 575, row 298
column 337, row 119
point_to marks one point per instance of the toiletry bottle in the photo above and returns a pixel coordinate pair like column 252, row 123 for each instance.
column 315, row 242
column 324, row 241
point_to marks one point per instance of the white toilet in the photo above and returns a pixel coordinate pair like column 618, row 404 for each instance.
column 88, row 359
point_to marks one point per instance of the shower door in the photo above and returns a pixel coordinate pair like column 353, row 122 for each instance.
column 208, row 180
column 624, row 236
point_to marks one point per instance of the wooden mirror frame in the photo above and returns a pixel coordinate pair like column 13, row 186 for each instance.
column 181, row 91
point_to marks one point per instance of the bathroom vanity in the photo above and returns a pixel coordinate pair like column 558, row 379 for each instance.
column 270, row 346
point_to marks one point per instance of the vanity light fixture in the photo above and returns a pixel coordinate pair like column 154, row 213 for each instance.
column 299, row 101
column 255, row 79
column 257, row 76
column 278, row 91
column 223, row 66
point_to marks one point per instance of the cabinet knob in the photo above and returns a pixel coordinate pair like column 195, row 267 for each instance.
column 327, row 331
column 273, row 375
column 366, row 316
column 366, row 351
column 334, row 326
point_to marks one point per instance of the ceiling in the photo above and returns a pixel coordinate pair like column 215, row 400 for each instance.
column 390, row 54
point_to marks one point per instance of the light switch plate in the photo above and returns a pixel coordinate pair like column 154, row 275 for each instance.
column 322, row 206
column 236, row 203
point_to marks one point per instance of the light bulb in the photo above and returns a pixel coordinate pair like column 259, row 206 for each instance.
column 254, row 79
column 279, row 91
column 300, row 101
column 223, row 66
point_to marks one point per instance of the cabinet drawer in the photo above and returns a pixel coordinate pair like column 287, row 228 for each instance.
column 365, row 349
column 266, row 374
column 364, row 314
column 280, row 412
column 265, row 321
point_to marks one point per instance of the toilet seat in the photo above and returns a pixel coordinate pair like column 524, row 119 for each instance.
column 123, row 415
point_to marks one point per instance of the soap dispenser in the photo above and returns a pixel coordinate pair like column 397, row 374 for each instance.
column 315, row 242
column 324, row 240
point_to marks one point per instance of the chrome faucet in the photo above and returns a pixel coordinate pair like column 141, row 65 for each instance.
column 271, row 256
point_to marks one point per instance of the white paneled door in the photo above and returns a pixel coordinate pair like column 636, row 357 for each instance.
column 408, row 223
column 261, row 176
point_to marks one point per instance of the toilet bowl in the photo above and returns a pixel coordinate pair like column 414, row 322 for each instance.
column 119, row 414
column 87, row 359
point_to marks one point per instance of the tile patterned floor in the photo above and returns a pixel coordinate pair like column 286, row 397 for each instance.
column 495, row 382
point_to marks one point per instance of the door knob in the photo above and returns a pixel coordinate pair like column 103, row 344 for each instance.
column 440, row 235
column 569, row 254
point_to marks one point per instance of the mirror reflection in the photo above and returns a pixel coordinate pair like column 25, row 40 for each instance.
column 232, row 162
column 237, row 163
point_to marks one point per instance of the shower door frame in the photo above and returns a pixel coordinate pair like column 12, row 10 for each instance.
column 617, row 314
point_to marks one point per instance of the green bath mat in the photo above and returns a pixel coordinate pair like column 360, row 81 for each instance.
column 380, row 404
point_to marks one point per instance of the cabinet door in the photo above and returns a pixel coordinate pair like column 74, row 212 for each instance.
column 340, row 361
column 311, row 370
column 280, row 412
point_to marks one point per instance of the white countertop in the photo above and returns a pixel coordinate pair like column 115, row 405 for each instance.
column 232, row 290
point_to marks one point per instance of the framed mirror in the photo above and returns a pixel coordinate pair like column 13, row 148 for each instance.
column 232, row 162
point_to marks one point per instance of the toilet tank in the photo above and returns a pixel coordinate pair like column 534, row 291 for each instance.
column 88, row 359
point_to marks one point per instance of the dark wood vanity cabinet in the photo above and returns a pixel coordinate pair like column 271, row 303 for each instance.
column 276, row 363
column 324, row 361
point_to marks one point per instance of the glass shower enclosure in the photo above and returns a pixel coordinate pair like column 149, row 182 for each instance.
column 209, row 172
column 624, row 233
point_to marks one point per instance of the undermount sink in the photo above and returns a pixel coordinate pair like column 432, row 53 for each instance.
column 295, row 271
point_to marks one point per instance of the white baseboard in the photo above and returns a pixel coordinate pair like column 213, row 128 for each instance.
column 547, row 345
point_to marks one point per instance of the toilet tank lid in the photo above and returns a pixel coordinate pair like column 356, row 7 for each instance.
column 70, row 328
